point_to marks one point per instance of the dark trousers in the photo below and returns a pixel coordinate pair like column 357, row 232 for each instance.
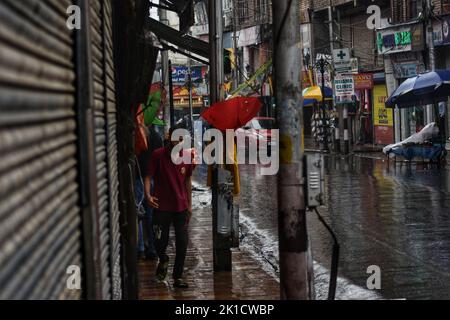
column 162, row 222
column 146, row 240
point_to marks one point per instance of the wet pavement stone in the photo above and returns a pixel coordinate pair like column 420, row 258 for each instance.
column 247, row 281
column 395, row 216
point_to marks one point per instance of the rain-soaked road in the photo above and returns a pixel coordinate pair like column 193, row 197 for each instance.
column 397, row 218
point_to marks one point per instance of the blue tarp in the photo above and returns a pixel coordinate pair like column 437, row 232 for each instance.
column 417, row 151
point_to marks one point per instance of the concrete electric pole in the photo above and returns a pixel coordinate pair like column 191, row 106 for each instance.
column 432, row 52
column 166, row 74
column 235, row 46
column 337, row 129
column 222, row 211
column 294, row 279
column 216, row 44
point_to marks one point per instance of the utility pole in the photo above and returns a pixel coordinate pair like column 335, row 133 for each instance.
column 216, row 43
column 235, row 47
column 191, row 103
column 166, row 74
column 337, row 132
column 293, row 239
column 222, row 212
column 171, row 103
column 432, row 52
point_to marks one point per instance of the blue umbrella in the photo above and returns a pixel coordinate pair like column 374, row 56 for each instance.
column 427, row 88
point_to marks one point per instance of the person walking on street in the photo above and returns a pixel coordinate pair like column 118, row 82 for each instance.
column 172, row 201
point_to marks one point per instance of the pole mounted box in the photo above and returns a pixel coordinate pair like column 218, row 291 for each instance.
column 315, row 182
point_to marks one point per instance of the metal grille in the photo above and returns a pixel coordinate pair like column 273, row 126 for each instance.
column 39, row 216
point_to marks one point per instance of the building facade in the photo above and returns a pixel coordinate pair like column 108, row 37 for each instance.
column 411, row 57
column 252, row 29
column 347, row 25
column 370, row 29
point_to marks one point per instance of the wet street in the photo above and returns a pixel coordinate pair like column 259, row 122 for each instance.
column 396, row 217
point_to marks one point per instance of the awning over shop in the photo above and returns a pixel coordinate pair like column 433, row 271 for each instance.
column 184, row 8
column 179, row 39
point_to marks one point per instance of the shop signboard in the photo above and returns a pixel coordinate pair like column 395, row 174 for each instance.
column 344, row 88
column 441, row 31
column 400, row 39
column 445, row 30
column 179, row 74
column 363, row 81
column 407, row 64
column 342, row 60
column 408, row 70
column 383, row 118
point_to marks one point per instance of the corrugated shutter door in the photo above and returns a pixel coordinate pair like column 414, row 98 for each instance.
column 101, row 144
column 112, row 151
column 39, row 216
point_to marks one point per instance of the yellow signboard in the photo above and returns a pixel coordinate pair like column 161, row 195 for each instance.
column 381, row 115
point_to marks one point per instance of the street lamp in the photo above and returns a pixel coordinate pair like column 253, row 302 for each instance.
column 321, row 66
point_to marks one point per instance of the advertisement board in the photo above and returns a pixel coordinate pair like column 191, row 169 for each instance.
column 408, row 70
column 400, row 39
column 342, row 60
column 344, row 88
column 179, row 74
column 383, row 118
column 363, row 81
column 441, row 31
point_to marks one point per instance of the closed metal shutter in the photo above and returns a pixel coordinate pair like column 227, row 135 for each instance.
column 100, row 115
column 106, row 147
column 39, row 214
column 111, row 120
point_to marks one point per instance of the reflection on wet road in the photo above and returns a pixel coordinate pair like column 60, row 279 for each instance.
column 397, row 218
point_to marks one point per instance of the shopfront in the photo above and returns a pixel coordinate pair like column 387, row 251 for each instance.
column 383, row 118
column 364, row 84
column 441, row 36
column 404, row 45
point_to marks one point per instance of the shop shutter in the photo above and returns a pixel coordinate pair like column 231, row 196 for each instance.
column 111, row 120
column 106, row 146
column 39, row 214
column 101, row 144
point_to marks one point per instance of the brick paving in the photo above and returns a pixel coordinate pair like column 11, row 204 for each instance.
column 247, row 281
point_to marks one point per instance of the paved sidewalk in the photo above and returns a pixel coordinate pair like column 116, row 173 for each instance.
column 247, row 281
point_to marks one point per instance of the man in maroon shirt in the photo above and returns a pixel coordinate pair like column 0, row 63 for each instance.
column 172, row 200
